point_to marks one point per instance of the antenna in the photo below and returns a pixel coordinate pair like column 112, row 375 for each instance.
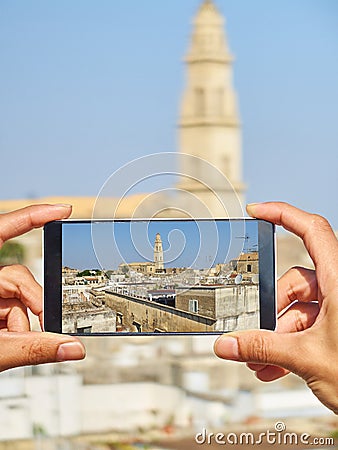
column 246, row 241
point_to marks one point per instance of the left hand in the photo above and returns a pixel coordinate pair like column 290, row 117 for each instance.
column 19, row 292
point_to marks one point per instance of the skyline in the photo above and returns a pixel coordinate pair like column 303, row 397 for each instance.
column 195, row 244
column 79, row 96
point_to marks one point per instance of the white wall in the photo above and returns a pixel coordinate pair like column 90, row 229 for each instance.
column 55, row 403
column 131, row 406
column 51, row 402
column 288, row 403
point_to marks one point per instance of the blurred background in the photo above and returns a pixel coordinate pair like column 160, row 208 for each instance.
column 86, row 87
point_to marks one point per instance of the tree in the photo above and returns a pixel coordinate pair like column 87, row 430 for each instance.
column 89, row 272
column 12, row 253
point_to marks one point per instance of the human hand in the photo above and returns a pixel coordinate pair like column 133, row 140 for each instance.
column 19, row 291
column 306, row 341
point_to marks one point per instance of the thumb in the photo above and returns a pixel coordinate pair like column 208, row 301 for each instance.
column 21, row 349
column 262, row 347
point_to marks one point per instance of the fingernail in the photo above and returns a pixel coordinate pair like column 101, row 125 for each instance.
column 63, row 205
column 227, row 347
column 70, row 351
column 250, row 207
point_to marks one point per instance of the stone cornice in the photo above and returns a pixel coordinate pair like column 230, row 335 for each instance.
column 209, row 122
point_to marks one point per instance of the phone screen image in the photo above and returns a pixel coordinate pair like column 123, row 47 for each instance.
column 161, row 276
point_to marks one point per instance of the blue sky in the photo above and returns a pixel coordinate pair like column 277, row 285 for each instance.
column 87, row 86
column 197, row 244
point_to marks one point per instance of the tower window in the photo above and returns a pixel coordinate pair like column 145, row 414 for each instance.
column 249, row 268
column 199, row 102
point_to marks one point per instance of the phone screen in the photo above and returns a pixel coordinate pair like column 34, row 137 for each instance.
column 162, row 276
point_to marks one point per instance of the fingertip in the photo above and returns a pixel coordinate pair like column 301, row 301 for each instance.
column 226, row 347
column 63, row 205
column 70, row 351
column 250, row 208
column 64, row 208
column 31, row 348
column 16, row 223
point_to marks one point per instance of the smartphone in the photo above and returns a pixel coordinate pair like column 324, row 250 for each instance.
column 149, row 276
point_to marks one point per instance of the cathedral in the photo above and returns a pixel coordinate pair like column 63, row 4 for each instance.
column 209, row 156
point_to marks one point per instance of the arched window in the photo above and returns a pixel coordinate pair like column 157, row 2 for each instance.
column 199, row 102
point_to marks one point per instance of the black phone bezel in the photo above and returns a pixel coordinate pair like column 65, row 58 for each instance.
column 52, row 310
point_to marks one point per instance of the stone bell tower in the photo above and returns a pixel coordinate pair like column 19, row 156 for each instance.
column 158, row 254
column 209, row 126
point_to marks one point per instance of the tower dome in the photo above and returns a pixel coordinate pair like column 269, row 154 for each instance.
column 208, row 14
column 209, row 42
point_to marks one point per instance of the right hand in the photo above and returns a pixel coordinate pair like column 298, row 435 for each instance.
column 306, row 341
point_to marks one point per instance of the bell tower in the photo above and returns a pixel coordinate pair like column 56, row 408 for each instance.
column 209, row 126
column 158, row 254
